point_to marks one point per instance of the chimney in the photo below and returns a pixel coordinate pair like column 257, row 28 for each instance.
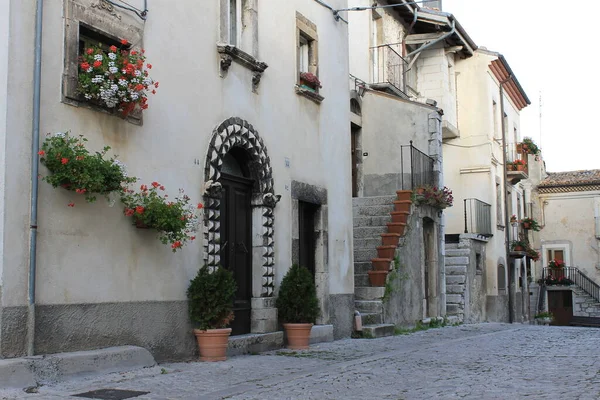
column 434, row 4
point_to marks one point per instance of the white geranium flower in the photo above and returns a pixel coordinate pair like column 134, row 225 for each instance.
column 138, row 72
column 98, row 57
column 112, row 56
column 60, row 134
column 113, row 70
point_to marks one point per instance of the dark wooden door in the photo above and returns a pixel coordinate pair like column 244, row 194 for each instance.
column 560, row 304
column 236, row 245
column 354, row 157
column 307, row 213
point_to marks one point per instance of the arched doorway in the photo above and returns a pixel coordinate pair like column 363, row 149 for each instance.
column 239, row 190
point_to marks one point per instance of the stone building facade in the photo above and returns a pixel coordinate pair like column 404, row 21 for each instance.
column 230, row 114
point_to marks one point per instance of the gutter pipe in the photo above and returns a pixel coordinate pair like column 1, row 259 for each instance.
column 509, row 267
column 35, row 145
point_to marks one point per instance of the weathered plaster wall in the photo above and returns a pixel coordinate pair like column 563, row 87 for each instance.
column 388, row 124
column 91, row 253
column 404, row 303
column 569, row 224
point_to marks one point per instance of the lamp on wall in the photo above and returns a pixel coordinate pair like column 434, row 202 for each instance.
column 361, row 90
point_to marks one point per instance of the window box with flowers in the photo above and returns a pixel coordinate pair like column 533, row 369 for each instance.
column 517, row 165
column 176, row 221
column 73, row 167
column 115, row 79
column 433, row 196
column 556, row 264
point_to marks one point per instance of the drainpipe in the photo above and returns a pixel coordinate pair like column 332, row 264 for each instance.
column 35, row 144
column 509, row 268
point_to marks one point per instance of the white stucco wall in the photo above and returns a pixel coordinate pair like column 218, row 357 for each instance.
column 569, row 223
column 91, row 253
column 4, row 47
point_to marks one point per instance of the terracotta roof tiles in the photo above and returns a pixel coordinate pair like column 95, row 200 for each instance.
column 572, row 178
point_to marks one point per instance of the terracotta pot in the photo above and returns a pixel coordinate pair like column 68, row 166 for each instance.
column 402, row 205
column 526, row 225
column 520, row 167
column 403, row 194
column 377, row 278
column 510, row 167
column 386, row 251
column 396, row 227
column 520, row 148
column 298, row 336
column 518, row 248
column 400, row 216
column 420, row 190
column 390, row 239
column 381, row 264
column 212, row 343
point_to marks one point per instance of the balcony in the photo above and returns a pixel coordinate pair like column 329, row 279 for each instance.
column 388, row 70
column 516, row 165
column 417, row 168
column 478, row 217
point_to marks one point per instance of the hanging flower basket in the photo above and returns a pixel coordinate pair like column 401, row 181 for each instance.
column 73, row 167
column 310, row 81
column 117, row 79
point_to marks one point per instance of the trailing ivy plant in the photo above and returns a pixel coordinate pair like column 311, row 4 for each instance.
column 73, row 167
column 297, row 301
column 210, row 298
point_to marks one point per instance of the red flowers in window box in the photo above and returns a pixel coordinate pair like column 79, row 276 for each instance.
column 309, row 79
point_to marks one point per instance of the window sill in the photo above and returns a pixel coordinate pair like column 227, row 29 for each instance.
column 500, row 227
column 309, row 94
column 133, row 118
column 230, row 53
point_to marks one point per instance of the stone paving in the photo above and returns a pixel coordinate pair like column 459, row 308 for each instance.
column 483, row 361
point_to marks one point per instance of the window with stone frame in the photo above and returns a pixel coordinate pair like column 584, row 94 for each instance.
column 92, row 22
column 307, row 58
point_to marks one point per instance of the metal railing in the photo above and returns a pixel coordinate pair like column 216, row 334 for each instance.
column 513, row 155
column 416, row 168
column 575, row 275
column 478, row 217
column 388, row 66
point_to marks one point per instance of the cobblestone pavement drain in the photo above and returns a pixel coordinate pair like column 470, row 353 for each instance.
column 482, row 361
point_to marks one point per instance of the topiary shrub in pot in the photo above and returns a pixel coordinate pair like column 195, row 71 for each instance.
column 210, row 301
column 298, row 306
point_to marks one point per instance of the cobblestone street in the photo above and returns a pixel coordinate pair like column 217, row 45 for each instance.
column 492, row 361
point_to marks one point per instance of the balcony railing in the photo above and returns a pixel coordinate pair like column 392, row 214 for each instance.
column 416, row 168
column 389, row 69
column 478, row 217
column 578, row 278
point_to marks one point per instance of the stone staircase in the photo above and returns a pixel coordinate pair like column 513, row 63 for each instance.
column 456, row 262
column 379, row 223
column 583, row 304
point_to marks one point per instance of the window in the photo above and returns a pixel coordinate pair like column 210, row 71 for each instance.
column 235, row 22
column 307, row 58
column 478, row 265
column 501, row 279
column 303, row 54
column 499, row 219
column 307, row 214
column 555, row 254
column 556, row 250
column 495, row 114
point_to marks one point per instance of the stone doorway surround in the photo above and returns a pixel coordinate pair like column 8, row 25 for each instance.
column 235, row 132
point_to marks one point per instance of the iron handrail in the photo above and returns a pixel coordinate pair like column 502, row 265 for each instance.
column 575, row 275
column 420, row 168
column 388, row 66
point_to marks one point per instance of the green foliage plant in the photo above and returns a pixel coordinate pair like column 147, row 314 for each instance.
column 210, row 298
column 297, row 301
column 176, row 220
column 73, row 167
column 533, row 224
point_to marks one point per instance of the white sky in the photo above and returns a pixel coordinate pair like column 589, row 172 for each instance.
column 550, row 48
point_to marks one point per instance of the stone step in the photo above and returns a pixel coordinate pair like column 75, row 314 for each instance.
column 361, row 280
column 455, row 279
column 455, row 289
column 379, row 330
column 368, row 232
column 362, row 268
column 364, row 253
column 371, row 318
column 369, row 306
column 456, row 270
column 372, row 211
column 373, row 243
column 368, row 293
column 373, row 200
column 458, row 252
column 456, row 260
column 372, row 221
column 451, row 246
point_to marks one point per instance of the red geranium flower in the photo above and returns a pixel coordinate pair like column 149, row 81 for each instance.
column 139, row 210
column 64, row 161
column 113, row 49
column 71, row 204
column 41, row 153
column 90, row 51
column 124, row 42
column 129, row 212
column 97, row 63
column 85, row 66
column 155, row 184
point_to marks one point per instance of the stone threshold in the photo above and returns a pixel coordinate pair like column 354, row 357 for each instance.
column 253, row 343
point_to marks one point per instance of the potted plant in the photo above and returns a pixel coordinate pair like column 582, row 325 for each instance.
column 298, row 306
column 556, row 264
column 74, row 168
column 115, row 78
column 176, row 221
column 519, row 245
column 513, row 220
column 519, row 165
column 533, row 254
column 544, row 318
column 210, row 301
column 529, row 147
column 530, row 223
column 310, row 81
column 433, row 196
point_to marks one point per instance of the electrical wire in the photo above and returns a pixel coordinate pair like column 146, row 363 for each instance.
column 386, row 6
column 140, row 13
